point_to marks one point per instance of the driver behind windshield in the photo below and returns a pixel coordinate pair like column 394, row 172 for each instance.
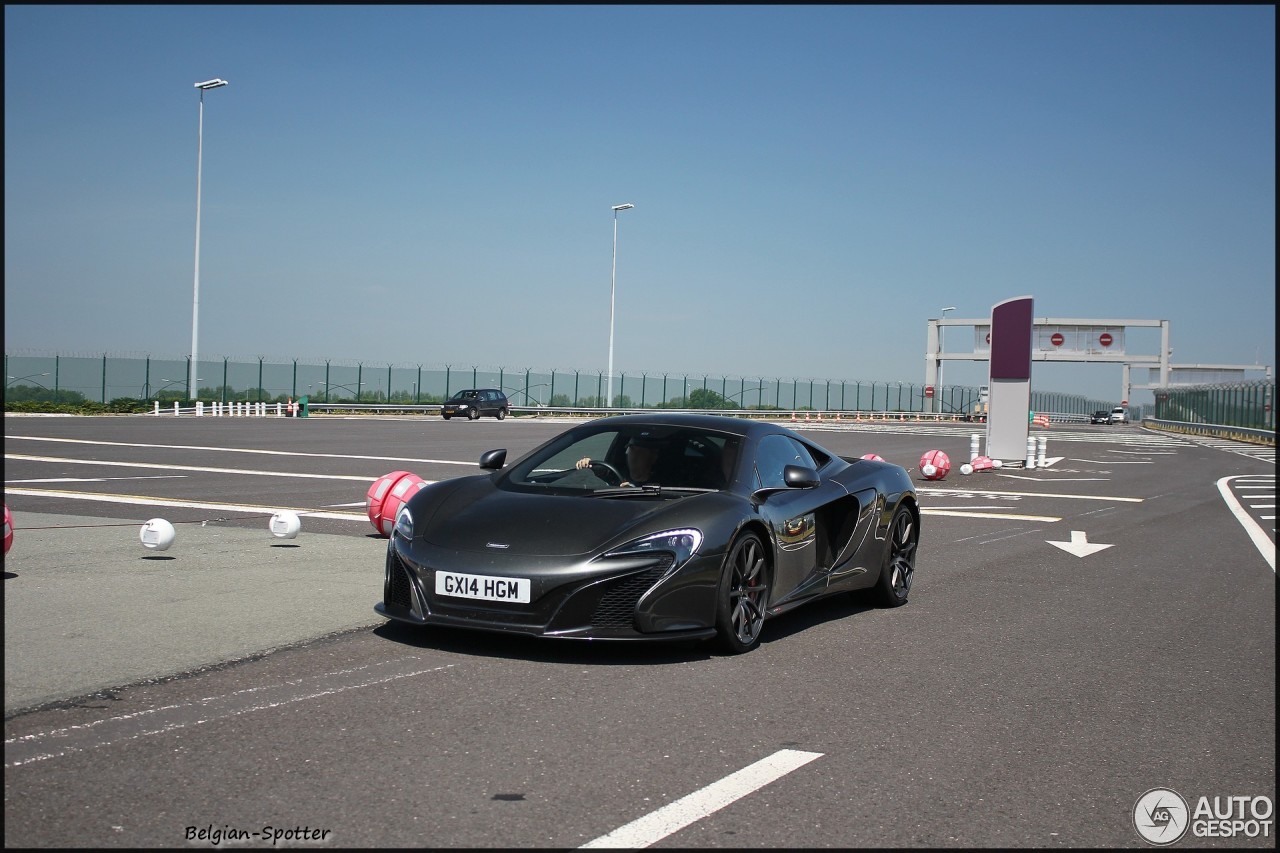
column 642, row 455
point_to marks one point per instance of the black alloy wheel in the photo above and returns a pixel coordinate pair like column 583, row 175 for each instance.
column 473, row 413
column 502, row 413
column 742, row 596
column 899, row 568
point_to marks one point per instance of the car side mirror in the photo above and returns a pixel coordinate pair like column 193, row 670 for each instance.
column 795, row 477
column 800, row 477
column 493, row 459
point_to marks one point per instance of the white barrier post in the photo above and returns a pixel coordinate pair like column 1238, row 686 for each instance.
column 973, row 446
column 175, row 408
column 1031, row 452
column 157, row 407
column 1044, row 446
column 199, row 409
column 279, row 410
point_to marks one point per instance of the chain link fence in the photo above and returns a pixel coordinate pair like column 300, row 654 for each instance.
column 77, row 378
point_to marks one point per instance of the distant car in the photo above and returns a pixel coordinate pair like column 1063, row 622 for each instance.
column 1102, row 416
column 1119, row 415
column 730, row 522
column 474, row 402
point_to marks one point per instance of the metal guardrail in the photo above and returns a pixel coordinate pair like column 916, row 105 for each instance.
column 1235, row 433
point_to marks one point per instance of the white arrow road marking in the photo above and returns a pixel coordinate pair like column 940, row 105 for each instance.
column 1079, row 545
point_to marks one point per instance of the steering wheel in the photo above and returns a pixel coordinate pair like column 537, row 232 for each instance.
column 606, row 472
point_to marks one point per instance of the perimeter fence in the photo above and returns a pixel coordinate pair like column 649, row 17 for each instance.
column 72, row 379
column 1240, row 404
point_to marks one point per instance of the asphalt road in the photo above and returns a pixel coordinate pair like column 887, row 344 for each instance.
column 238, row 688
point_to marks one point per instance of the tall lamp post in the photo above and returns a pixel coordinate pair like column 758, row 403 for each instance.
column 193, row 389
column 942, row 338
column 613, row 289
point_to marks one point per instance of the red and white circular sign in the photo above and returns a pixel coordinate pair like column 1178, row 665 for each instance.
column 1105, row 339
column 1057, row 340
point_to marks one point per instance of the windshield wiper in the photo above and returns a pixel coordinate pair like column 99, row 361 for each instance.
column 651, row 489
column 627, row 491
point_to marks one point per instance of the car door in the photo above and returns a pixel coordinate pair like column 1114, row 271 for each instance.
column 793, row 517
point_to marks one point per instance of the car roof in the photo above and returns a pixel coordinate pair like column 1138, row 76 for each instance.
column 720, row 423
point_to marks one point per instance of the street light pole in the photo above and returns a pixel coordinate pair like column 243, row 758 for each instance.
column 13, row 379
column 613, row 289
column 192, row 389
column 942, row 338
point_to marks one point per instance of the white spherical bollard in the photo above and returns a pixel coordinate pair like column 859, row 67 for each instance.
column 966, row 468
column 157, row 534
column 285, row 524
column 996, row 463
column 929, row 471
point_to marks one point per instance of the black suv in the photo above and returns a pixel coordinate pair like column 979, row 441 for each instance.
column 474, row 402
column 1102, row 416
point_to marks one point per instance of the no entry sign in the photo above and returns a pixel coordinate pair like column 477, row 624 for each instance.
column 1105, row 339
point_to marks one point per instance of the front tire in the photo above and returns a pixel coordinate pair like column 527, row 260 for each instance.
column 473, row 414
column 899, row 566
column 742, row 596
column 502, row 414
column 446, row 417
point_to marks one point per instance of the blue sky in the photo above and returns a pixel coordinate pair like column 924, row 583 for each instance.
column 432, row 184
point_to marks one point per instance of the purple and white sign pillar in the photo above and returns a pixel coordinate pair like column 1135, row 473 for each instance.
column 1008, row 417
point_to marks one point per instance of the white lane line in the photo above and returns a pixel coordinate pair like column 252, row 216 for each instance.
column 98, row 479
column 1004, row 515
column 1111, row 462
column 200, row 468
column 235, row 450
column 689, row 809
column 140, row 500
column 55, row 743
column 993, row 492
column 1259, row 536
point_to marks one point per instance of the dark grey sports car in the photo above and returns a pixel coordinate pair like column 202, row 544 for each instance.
column 659, row 527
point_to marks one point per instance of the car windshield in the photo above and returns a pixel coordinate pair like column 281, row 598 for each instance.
column 631, row 460
column 463, row 396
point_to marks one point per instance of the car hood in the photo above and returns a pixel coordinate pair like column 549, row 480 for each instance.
column 474, row 515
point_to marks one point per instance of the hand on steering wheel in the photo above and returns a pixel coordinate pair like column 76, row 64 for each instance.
column 607, row 472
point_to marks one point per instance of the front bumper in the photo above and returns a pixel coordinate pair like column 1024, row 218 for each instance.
column 618, row 600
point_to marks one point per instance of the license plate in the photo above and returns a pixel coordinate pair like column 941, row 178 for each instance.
column 483, row 587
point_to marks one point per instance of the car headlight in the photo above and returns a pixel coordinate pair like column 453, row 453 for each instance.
column 682, row 544
column 462, row 406
column 404, row 523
